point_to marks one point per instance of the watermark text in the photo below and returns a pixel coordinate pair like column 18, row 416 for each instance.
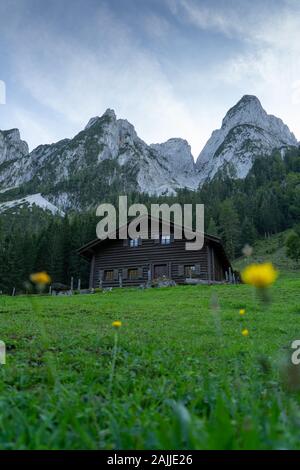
column 175, row 220
column 2, row 92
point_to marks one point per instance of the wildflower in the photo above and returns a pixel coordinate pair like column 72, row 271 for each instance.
column 242, row 311
column 259, row 275
column 245, row 332
column 116, row 324
column 41, row 278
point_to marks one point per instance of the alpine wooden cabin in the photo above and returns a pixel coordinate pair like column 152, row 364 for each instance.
column 132, row 262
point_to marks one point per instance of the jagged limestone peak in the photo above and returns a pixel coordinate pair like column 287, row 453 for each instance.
column 108, row 115
column 11, row 146
column 247, row 132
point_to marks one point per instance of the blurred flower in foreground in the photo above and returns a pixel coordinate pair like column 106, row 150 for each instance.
column 245, row 332
column 41, row 278
column 260, row 275
column 117, row 324
column 242, row 311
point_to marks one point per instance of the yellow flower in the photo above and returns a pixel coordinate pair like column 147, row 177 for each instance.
column 117, row 324
column 242, row 311
column 41, row 278
column 259, row 275
column 245, row 332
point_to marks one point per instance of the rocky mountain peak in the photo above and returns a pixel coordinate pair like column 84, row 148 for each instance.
column 247, row 110
column 109, row 115
column 11, row 146
column 12, row 134
column 247, row 132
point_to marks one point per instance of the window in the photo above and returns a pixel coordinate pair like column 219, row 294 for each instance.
column 189, row 270
column 109, row 275
column 165, row 239
column 134, row 242
column 133, row 273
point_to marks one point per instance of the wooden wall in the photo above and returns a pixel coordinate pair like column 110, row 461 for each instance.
column 114, row 255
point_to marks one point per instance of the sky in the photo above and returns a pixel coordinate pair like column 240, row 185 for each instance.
column 172, row 68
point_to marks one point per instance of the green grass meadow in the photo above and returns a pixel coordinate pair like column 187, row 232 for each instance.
column 184, row 378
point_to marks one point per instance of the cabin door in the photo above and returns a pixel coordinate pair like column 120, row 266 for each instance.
column 160, row 270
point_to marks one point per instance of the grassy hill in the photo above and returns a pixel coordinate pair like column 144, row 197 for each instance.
column 270, row 249
column 185, row 377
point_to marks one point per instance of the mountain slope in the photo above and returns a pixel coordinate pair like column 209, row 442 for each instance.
column 247, row 132
column 270, row 250
column 35, row 200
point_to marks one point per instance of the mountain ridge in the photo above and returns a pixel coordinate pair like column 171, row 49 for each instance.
column 107, row 155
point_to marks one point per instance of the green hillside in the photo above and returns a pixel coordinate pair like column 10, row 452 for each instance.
column 271, row 249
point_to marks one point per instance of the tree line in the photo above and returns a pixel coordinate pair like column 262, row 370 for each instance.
column 239, row 211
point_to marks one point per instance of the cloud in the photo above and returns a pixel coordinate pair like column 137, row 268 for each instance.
column 204, row 17
column 71, row 68
column 268, row 63
column 296, row 92
column 156, row 26
column 77, row 79
column 2, row 92
column 232, row 20
column 27, row 120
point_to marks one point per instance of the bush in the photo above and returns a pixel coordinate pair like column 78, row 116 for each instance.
column 293, row 246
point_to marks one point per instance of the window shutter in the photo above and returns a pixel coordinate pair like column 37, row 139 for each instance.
column 180, row 270
column 140, row 241
column 125, row 242
column 116, row 274
column 140, row 273
column 124, row 273
column 197, row 269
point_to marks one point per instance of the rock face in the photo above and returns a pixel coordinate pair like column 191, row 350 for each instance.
column 11, row 146
column 247, row 132
column 176, row 155
column 108, row 158
column 161, row 168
